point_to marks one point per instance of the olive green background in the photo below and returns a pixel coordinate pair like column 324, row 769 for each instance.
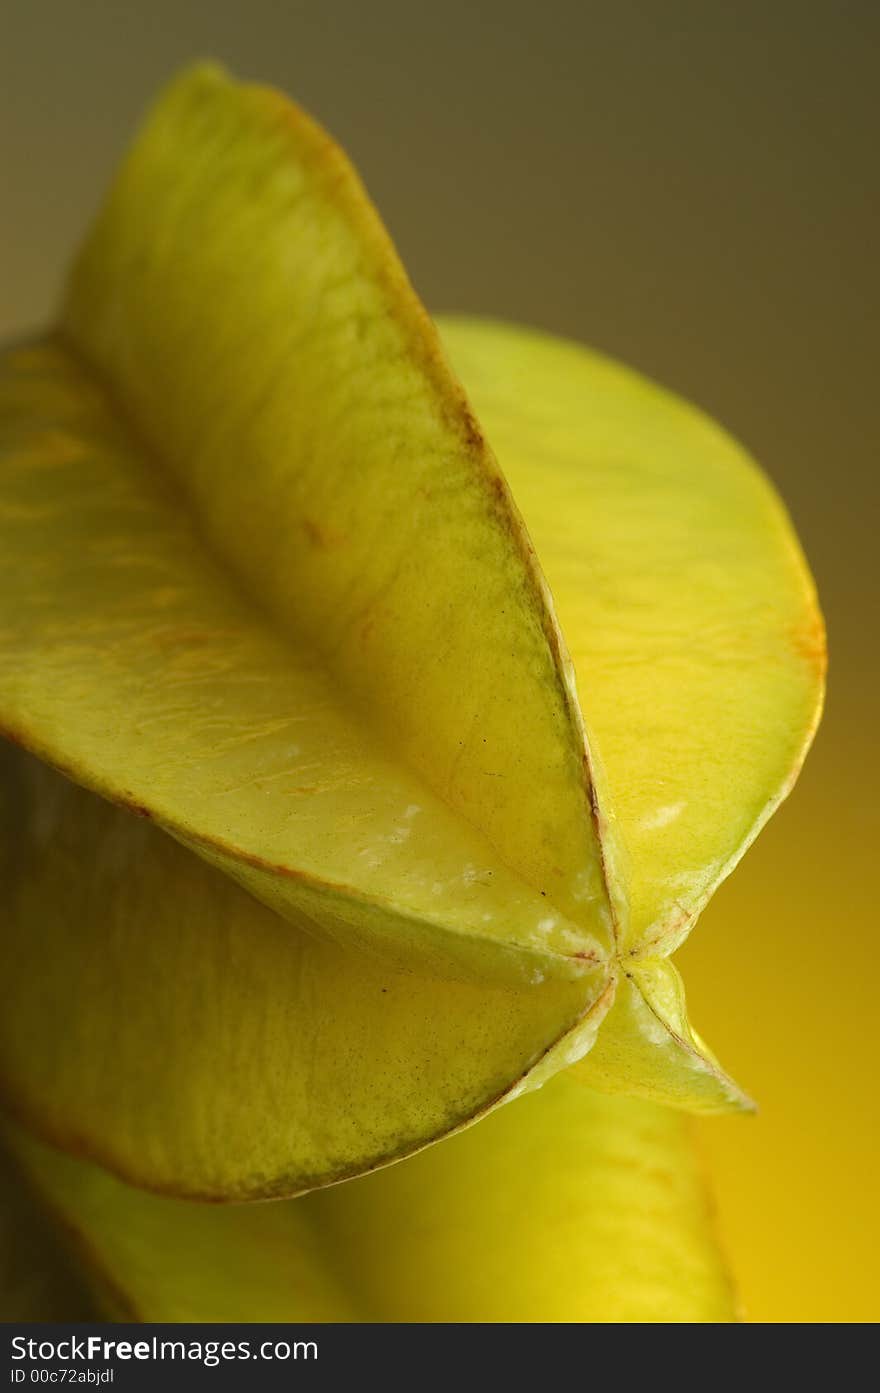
column 693, row 188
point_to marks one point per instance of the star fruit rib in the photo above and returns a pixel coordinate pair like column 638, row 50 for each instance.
column 567, row 1206
column 696, row 640
column 276, row 581
column 171, row 1027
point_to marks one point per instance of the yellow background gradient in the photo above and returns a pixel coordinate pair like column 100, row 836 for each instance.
column 691, row 186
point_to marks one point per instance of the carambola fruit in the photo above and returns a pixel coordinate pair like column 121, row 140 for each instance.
column 401, row 807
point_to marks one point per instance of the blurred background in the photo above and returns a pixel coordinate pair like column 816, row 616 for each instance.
column 690, row 185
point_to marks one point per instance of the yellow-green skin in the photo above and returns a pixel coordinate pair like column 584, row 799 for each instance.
column 565, row 1206
column 455, row 789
